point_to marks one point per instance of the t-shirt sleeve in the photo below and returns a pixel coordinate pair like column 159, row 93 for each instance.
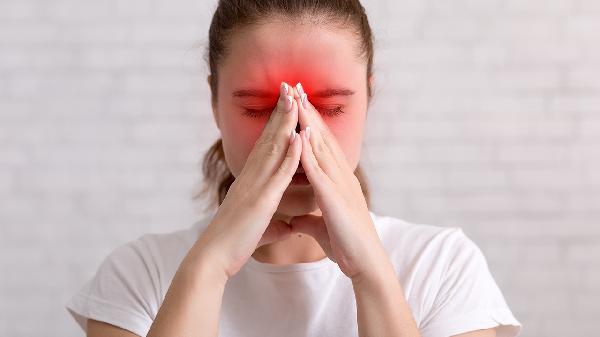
column 468, row 298
column 123, row 292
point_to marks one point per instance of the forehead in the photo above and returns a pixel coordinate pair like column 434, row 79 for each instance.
column 316, row 55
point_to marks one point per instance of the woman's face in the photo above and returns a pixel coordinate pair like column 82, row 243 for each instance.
column 324, row 59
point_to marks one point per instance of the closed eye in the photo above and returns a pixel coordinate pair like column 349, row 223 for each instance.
column 329, row 111
column 256, row 113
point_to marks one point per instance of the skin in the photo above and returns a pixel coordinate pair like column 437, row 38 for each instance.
column 331, row 212
column 259, row 60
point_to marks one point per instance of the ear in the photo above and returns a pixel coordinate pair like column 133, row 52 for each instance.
column 213, row 104
column 371, row 84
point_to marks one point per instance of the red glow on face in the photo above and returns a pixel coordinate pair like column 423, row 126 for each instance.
column 322, row 60
column 258, row 102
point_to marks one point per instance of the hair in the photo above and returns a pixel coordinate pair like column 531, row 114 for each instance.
column 234, row 14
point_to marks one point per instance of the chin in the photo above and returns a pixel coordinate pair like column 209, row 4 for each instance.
column 297, row 201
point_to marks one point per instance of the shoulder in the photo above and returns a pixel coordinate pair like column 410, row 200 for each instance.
column 398, row 235
column 425, row 256
column 446, row 278
column 132, row 280
column 154, row 255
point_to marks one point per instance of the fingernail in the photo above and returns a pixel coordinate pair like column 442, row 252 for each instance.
column 288, row 103
column 307, row 130
column 304, row 101
column 283, row 90
column 292, row 136
column 299, row 88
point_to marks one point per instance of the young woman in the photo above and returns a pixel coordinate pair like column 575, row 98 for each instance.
column 292, row 248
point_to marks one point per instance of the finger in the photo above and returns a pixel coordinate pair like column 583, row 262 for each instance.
column 314, row 226
column 308, row 224
column 281, row 112
column 305, row 111
column 283, row 176
column 271, row 146
column 309, row 118
column 316, row 176
column 312, row 115
column 277, row 230
column 325, row 145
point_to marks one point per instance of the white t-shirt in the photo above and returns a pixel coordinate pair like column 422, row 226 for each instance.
column 444, row 275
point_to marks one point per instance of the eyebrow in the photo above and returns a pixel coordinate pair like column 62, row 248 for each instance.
column 331, row 92
column 252, row 93
column 326, row 93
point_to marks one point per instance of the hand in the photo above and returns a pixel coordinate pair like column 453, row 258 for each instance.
column 244, row 220
column 345, row 230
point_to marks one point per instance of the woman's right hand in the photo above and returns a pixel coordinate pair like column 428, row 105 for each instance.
column 244, row 221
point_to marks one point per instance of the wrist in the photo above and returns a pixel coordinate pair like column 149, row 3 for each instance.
column 204, row 266
column 376, row 277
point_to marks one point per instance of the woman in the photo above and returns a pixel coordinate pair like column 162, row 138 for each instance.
column 292, row 249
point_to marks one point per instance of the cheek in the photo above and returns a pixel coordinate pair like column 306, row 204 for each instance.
column 239, row 136
column 349, row 137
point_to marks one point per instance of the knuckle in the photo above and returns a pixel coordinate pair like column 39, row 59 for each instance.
column 272, row 149
column 281, row 105
column 282, row 132
column 320, row 148
column 286, row 166
column 268, row 145
column 289, row 155
column 266, row 138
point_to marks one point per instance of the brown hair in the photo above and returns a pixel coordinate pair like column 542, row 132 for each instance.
column 232, row 14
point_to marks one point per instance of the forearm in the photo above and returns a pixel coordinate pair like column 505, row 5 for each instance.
column 382, row 309
column 193, row 302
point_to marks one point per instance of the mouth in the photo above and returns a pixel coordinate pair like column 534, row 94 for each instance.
column 299, row 177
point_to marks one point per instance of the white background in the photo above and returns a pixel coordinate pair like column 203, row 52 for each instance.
column 486, row 116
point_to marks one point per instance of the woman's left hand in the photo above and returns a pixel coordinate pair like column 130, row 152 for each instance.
column 345, row 230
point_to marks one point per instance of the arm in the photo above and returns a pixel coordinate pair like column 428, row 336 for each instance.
column 191, row 306
column 102, row 329
column 479, row 333
column 193, row 302
column 382, row 309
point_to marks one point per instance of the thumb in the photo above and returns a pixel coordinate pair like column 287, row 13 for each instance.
column 309, row 224
column 277, row 230
column 314, row 226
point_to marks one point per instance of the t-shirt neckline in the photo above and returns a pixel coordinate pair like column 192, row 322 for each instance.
column 252, row 263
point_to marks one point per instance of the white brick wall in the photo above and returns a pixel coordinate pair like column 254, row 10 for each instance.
column 486, row 116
